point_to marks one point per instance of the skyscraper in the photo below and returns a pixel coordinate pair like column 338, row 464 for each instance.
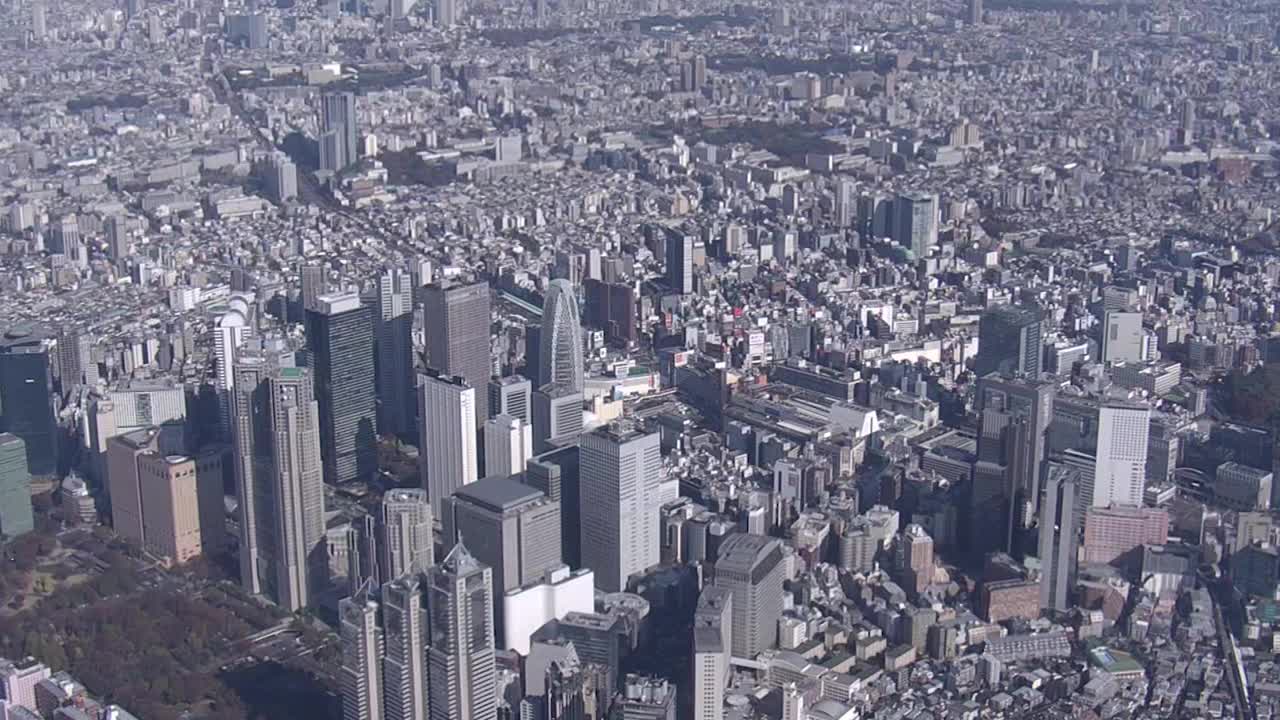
column 169, row 487
column 1120, row 470
column 915, row 222
column 915, row 563
column 750, row 567
column 1009, row 342
column 1122, row 337
column 508, row 445
column 621, row 491
column 39, row 20
column 361, row 656
column 446, row 13
column 340, row 355
column 404, row 673
column 279, row 481
column 405, row 530
column 560, row 356
column 511, row 528
column 26, row 397
column 846, row 202
column 229, row 333
column 461, row 672
column 1014, row 435
column 457, row 329
column 338, row 116
column 1059, row 537
column 447, row 435
column 557, row 416
column 15, row 488
column 314, row 283
column 712, row 650
column 556, row 474
column 679, row 251
column 393, row 331
column 511, row 395
column 975, row 12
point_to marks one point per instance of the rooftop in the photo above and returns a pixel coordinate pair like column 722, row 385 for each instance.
column 499, row 494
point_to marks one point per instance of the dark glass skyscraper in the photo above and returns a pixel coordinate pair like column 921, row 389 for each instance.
column 457, row 320
column 26, row 397
column 397, row 401
column 340, row 353
column 1009, row 342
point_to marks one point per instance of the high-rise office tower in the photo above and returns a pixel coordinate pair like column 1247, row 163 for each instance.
column 279, row 481
column 314, row 282
column 340, row 355
column 1014, row 435
column 712, row 649
column 361, row 656
column 1009, row 342
column 556, row 474
column 447, row 435
column 457, row 318
column 405, row 532
column 915, row 221
column 15, row 488
column 446, row 13
column 404, row 673
column 170, row 489
column 915, row 558
column 557, row 416
column 1122, row 337
column 462, row 675
column 511, row 395
column 26, row 397
column 846, row 202
column 39, row 20
column 750, row 567
column 1059, row 536
column 621, row 492
column 975, row 12
column 1187, row 120
column 74, row 358
column 508, row 446
column 230, row 331
column 123, row 484
column 281, row 178
column 511, row 528
column 393, row 330
column 680, row 262
column 560, row 356
column 338, row 118
column 1121, row 458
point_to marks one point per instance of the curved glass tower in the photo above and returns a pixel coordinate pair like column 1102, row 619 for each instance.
column 560, row 358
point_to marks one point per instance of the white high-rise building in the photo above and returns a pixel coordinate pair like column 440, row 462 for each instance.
column 508, row 446
column 621, row 492
column 404, row 674
column 230, row 332
column 447, row 435
column 712, row 643
column 1122, row 338
column 1120, row 462
column 361, row 657
column 406, row 537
